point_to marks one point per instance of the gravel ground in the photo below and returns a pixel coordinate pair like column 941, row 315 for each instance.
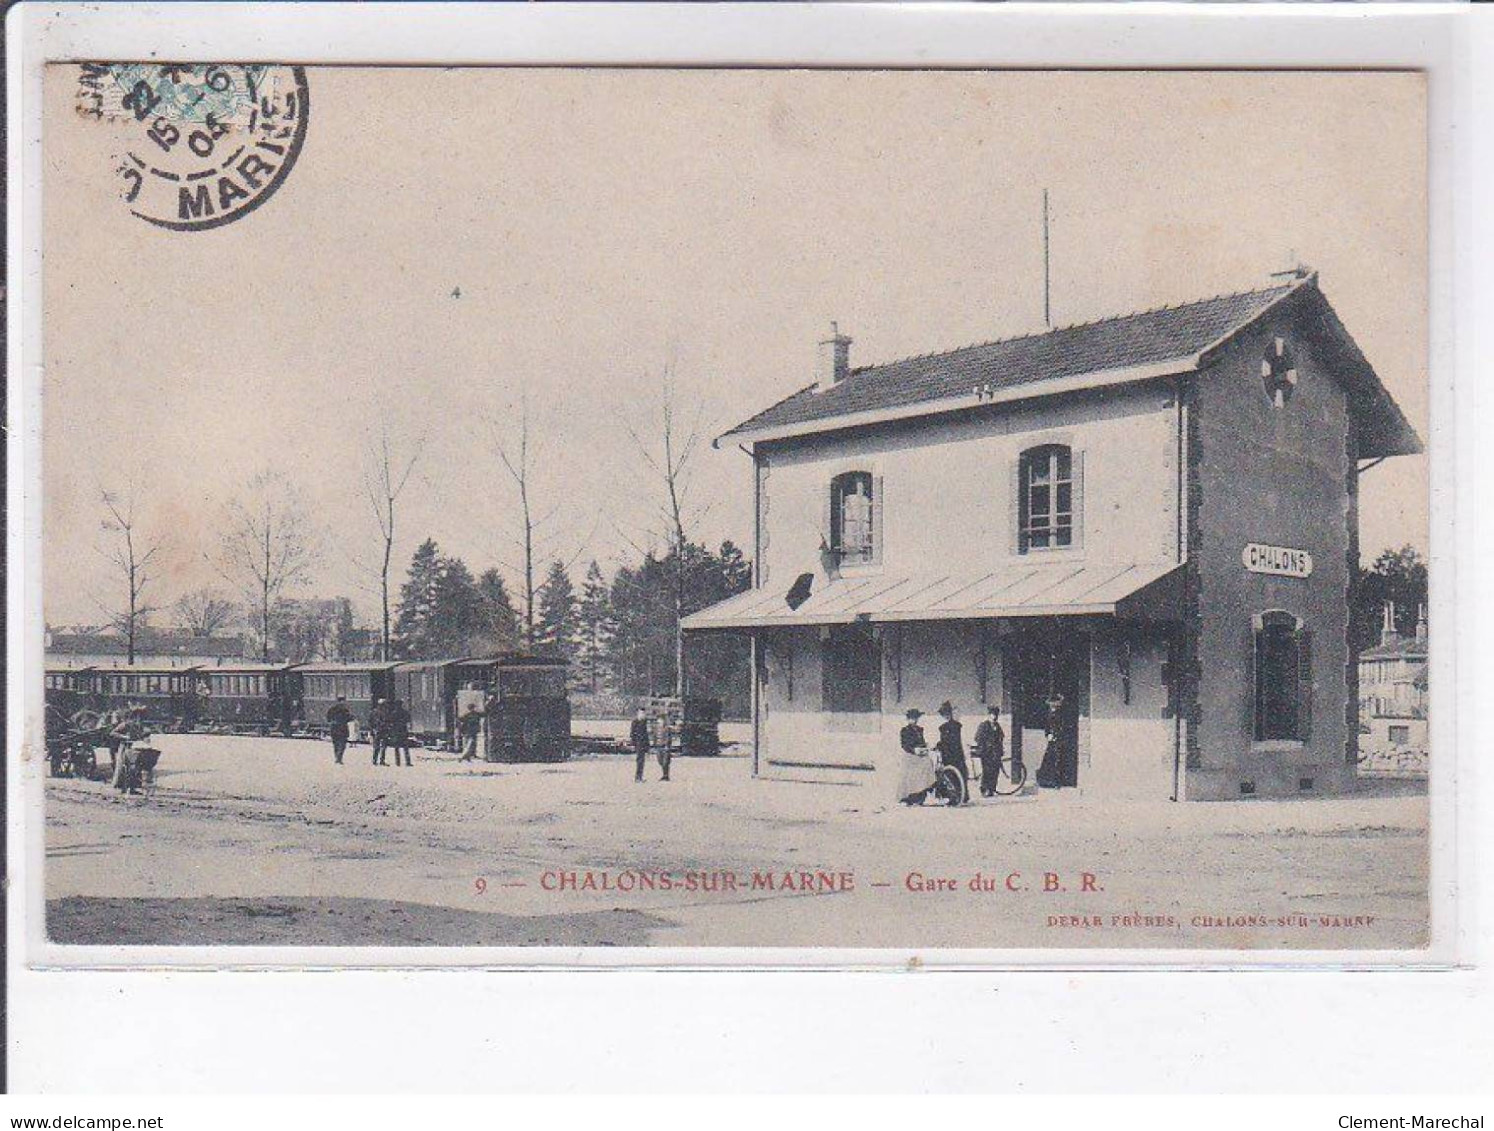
column 266, row 841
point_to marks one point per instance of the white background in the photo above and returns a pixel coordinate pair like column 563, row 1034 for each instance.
column 454, row 1031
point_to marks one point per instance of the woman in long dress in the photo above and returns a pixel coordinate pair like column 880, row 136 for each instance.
column 916, row 771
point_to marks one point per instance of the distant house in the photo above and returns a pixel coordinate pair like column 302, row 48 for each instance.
column 1132, row 534
column 1393, row 688
column 153, row 648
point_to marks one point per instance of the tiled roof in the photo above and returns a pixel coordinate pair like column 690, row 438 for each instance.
column 1149, row 337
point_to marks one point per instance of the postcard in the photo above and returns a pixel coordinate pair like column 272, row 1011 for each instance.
column 582, row 511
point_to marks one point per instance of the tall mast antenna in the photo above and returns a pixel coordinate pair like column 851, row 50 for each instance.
column 1047, row 309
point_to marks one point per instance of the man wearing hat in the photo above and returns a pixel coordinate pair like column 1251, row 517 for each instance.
column 990, row 748
column 916, row 770
column 378, row 731
column 339, row 719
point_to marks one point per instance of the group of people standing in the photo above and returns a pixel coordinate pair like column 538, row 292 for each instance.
column 919, row 770
column 388, row 729
column 642, row 741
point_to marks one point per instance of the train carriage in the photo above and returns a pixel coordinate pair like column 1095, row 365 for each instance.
column 248, row 698
column 428, row 689
column 167, row 694
column 526, row 707
column 361, row 683
column 69, row 689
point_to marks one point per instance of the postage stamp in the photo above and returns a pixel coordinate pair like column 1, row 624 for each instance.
column 202, row 145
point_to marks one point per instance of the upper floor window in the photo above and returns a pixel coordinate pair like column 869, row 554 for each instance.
column 854, row 518
column 1047, row 498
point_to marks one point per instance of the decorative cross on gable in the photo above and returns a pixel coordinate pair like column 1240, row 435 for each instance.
column 1279, row 373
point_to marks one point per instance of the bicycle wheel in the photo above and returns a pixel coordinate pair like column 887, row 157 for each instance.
column 1011, row 779
column 950, row 787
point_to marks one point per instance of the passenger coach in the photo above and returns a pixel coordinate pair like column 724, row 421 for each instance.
column 361, row 684
column 167, row 694
column 249, row 698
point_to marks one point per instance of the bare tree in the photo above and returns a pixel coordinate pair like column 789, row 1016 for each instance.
column 669, row 457
column 539, row 538
column 267, row 543
column 205, row 611
column 384, row 477
column 131, row 554
column 515, row 454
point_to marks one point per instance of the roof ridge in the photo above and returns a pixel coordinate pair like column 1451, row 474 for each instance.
column 1282, row 287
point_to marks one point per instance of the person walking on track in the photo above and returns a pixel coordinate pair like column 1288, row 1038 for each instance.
column 339, row 719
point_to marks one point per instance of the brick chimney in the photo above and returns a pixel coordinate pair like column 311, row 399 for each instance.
column 1388, row 635
column 833, row 362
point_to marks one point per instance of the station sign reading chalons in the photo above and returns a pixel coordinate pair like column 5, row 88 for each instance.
column 1282, row 561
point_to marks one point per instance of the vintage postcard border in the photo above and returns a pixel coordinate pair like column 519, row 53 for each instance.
column 730, row 36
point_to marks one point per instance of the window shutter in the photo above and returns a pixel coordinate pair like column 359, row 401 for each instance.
column 1304, row 684
column 1018, row 508
column 877, row 511
column 827, row 519
column 1077, row 500
column 1257, row 692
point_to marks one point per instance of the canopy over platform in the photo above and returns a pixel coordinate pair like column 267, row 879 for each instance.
column 1149, row 591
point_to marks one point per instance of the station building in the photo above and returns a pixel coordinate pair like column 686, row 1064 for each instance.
column 1137, row 532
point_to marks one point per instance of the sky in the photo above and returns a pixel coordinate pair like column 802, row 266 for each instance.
column 453, row 243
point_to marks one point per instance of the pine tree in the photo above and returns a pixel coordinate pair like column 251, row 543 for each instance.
column 457, row 620
column 557, row 621
column 595, row 628
column 500, row 620
column 417, row 601
column 442, row 611
column 641, row 648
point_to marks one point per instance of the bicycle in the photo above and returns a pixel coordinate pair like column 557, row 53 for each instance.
column 1011, row 775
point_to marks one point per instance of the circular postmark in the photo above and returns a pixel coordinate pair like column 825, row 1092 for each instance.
column 201, row 144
